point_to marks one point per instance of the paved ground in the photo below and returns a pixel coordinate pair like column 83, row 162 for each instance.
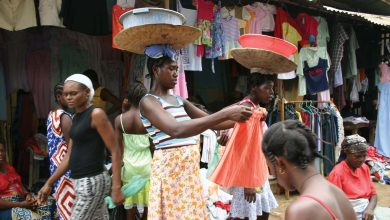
column 278, row 214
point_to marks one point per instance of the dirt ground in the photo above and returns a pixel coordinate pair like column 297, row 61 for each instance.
column 278, row 214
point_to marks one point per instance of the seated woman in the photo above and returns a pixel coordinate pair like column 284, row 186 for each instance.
column 15, row 201
column 352, row 176
column 290, row 149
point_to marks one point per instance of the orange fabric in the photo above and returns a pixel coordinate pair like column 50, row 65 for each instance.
column 117, row 11
column 243, row 164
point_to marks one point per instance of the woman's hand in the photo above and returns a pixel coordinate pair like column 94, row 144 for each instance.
column 29, row 197
column 31, row 204
column 223, row 137
column 250, row 194
column 238, row 112
column 368, row 214
column 44, row 193
column 117, row 196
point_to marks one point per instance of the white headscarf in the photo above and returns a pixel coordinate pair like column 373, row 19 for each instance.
column 80, row 78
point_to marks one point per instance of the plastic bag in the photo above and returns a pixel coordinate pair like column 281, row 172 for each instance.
column 135, row 185
column 243, row 164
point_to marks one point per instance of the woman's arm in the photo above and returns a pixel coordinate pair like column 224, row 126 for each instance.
column 25, row 204
column 66, row 124
column 103, row 126
column 369, row 212
column 118, row 134
column 164, row 121
column 62, row 168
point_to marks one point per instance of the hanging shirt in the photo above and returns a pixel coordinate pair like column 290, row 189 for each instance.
column 231, row 30
column 323, row 36
column 49, row 13
column 351, row 69
column 339, row 36
column 254, row 14
column 117, row 27
column 355, row 184
column 316, row 80
column 205, row 10
column 17, row 15
column 311, row 55
column 268, row 22
column 308, row 26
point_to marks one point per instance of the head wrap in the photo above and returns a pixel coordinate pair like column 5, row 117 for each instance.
column 159, row 50
column 354, row 143
column 80, row 78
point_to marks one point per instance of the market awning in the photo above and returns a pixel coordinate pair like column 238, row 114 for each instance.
column 375, row 19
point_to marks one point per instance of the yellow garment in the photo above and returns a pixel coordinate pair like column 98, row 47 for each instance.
column 291, row 35
column 299, row 116
column 99, row 102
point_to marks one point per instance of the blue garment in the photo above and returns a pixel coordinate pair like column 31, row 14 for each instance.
column 316, row 80
column 382, row 137
column 218, row 37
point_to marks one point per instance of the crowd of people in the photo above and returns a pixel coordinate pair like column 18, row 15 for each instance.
column 157, row 139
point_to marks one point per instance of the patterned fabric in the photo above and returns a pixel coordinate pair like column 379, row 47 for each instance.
column 265, row 202
column 176, row 190
column 218, row 37
column 231, row 30
column 339, row 37
column 161, row 139
column 90, row 194
column 44, row 212
column 63, row 188
column 205, row 38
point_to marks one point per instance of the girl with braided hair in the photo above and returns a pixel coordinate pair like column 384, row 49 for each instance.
column 135, row 145
column 290, row 150
column 352, row 176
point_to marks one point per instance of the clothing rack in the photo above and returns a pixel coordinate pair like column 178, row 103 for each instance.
column 283, row 102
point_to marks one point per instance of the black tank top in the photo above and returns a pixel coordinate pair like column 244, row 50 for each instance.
column 87, row 156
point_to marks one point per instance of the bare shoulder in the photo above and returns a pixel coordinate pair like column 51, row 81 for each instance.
column 98, row 112
column 300, row 209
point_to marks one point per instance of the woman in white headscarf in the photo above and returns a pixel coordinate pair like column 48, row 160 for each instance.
column 91, row 131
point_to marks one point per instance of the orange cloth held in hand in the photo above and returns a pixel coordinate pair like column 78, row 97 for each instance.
column 243, row 164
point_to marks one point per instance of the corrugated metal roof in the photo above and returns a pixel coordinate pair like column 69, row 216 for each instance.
column 376, row 19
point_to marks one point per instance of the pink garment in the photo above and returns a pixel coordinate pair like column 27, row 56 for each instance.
column 38, row 69
column 181, row 85
column 268, row 22
column 385, row 73
column 257, row 13
column 205, row 10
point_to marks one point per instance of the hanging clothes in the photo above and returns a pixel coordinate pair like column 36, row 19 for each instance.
column 117, row 27
column 191, row 61
column 231, row 30
column 351, row 68
column 217, row 48
column 17, row 15
column 308, row 26
column 339, row 37
column 49, row 13
column 382, row 137
column 254, row 14
column 181, row 85
column 323, row 36
column 316, row 80
column 38, row 72
column 205, row 18
column 310, row 55
column 81, row 17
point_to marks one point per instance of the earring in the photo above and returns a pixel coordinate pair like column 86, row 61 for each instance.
column 281, row 171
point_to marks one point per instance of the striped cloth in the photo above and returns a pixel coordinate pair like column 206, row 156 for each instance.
column 160, row 138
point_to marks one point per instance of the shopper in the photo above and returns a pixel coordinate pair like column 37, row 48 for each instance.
column 90, row 133
column 290, row 148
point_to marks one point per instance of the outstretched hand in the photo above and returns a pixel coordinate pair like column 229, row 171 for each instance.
column 44, row 193
column 238, row 113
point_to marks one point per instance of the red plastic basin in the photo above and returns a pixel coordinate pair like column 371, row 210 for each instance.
column 265, row 42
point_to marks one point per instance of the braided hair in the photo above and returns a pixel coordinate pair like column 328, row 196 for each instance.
column 292, row 140
column 58, row 89
column 137, row 90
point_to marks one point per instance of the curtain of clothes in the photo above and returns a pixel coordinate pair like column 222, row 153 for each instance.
column 326, row 122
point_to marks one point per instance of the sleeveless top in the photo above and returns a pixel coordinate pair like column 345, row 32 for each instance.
column 331, row 213
column 98, row 101
column 87, row 156
column 161, row 139
column 136, row 155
